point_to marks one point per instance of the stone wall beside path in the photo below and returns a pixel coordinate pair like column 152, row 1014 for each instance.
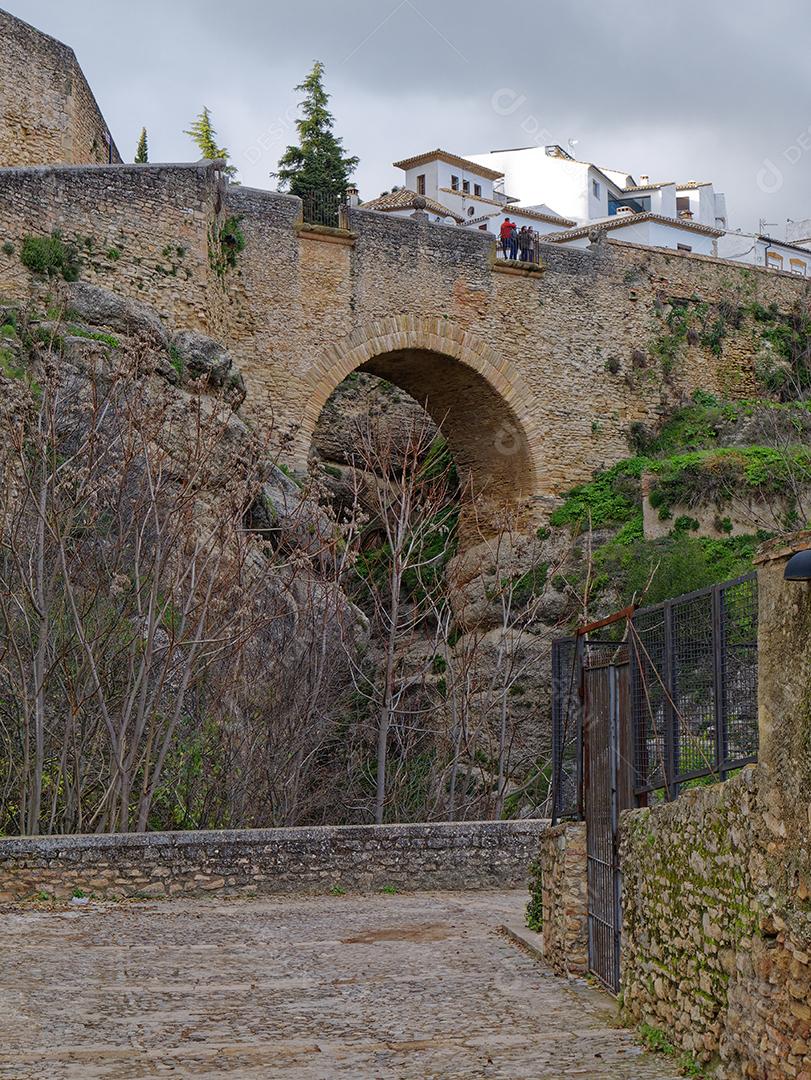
column 453, row 855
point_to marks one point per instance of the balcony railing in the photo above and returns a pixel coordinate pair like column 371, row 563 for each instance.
column 322, row 208
column 520, row 251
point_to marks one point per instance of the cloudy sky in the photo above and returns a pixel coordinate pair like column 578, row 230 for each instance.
column 678, row 89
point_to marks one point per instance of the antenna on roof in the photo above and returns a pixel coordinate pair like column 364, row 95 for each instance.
column 572, row 143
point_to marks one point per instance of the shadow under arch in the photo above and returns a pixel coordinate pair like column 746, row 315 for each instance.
column 481, row 403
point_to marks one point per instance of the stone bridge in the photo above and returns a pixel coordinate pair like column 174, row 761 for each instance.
column 535, row 377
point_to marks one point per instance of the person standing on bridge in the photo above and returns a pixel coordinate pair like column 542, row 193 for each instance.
column 525, row 243
column 509, row 239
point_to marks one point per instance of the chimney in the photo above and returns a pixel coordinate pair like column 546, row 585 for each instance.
column 352, row 196
column 686, row 215
column 624, row 211
column 644, row 179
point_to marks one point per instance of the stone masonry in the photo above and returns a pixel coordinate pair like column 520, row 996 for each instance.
column 48, row 114
column 717, row 885
column 561, row 867
column 463, row 855
column 536, row 378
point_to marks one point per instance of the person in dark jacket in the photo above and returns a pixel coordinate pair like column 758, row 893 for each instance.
column 525, row 243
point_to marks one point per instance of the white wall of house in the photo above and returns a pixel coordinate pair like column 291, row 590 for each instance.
column 706, row 205
column 654, row 234
column 532, row 177
column 754, row 250
column 439, row 174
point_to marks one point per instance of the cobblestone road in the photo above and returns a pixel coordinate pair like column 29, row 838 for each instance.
column 419, row 986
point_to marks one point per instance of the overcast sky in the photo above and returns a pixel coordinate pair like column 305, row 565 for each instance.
column 677, row 89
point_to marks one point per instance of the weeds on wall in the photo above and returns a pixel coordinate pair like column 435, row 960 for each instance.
column 225, row 245
column 51, row 256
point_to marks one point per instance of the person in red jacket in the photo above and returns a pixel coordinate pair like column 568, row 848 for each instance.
column 509, row 239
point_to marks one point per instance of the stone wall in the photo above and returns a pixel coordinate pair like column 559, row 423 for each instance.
column 536, row 378
column 560, row 876
column 717, row 885
column 48, row 114
column 144, row 231
column 464, row 855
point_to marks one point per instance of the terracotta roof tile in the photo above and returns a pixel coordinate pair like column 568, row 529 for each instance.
column 404, row 200
column 449, row 159
column 621, row 221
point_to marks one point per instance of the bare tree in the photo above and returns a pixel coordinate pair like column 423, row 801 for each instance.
column 406, row 509
column 123, row 585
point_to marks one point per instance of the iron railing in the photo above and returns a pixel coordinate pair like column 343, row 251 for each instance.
column 513, row 251
column 694, row 688
column 693, row 696
column 321, row 207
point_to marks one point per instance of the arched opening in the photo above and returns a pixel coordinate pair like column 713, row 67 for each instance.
column 479, row 404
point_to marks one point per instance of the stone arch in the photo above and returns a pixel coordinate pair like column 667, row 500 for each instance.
column 482, row 403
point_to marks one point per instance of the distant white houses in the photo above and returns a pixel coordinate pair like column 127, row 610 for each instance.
column 646, row 228
column 571, row 203
column 757, row 249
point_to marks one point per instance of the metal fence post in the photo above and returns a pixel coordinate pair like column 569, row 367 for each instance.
column 719, row 681
column 671, row 720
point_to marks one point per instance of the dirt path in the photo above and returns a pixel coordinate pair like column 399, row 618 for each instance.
column 418, row 986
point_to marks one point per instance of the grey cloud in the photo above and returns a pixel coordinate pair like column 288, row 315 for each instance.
column 702, row 89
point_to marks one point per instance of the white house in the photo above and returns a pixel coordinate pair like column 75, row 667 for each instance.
column 565, row 200
column 646, row 228
column 586, row 192
column 547, row 174
column 403, row 202
column 756, row 249
column 470, row 194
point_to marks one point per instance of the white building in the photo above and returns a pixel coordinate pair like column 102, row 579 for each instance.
column 586, row 192
column 646, row 228
column 757, row 249
column 471, row 194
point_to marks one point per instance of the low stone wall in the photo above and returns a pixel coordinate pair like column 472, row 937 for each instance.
column 463, row 855
column 717, row 930
column 561, row 878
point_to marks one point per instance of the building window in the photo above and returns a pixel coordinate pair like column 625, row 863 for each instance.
column 477, row 190
column 682, row 203
column 639, row 205
column 421, row 184
column 774, row 260
column 683, row 247
column 596, row 189
column 798, row 266
column 455, row 183
column 466, row 186
column 471, row 210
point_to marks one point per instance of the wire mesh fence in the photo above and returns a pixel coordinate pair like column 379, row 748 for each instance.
column 694, row 688
column 692, row 703
column 566, row 729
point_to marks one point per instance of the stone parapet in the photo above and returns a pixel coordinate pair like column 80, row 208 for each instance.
column 455, row 855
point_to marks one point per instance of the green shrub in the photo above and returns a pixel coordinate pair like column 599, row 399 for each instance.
column 50, row 256
column 611, row 498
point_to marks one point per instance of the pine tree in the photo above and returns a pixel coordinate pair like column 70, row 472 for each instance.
column 203, row 133
column 319, row 162
column 142, row 153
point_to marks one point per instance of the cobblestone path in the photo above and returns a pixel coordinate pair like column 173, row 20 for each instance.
column 418, row 986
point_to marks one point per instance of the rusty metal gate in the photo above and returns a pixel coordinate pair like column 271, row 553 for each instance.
column 607, row 782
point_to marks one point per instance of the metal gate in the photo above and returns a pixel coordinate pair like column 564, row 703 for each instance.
column 607, row 777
